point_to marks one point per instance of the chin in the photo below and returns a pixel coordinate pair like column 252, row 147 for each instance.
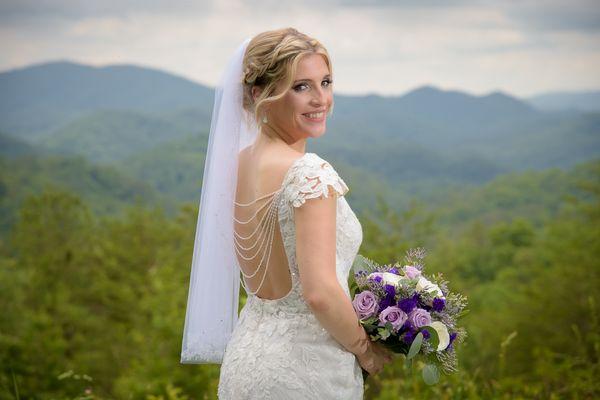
column 319, row 134
column 314, row 130
column 314, row 133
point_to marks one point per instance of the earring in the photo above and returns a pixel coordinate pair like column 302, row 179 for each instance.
column 264, row 120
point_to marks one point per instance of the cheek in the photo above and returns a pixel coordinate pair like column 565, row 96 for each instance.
column 297, row 105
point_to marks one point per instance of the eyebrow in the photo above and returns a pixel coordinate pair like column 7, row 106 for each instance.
column 306, row 79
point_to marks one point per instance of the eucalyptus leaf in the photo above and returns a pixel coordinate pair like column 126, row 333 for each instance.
column 434, row 339
column 431, row 375
column 362, row 263
column 415, row 346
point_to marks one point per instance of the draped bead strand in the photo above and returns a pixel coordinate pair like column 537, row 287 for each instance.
column 267, row 228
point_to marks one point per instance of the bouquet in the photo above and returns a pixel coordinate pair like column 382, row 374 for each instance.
column 409, row 313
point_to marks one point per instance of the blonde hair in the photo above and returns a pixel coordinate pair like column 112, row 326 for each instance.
column 273, row 57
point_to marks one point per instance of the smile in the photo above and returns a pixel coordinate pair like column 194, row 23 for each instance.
column 315, row 117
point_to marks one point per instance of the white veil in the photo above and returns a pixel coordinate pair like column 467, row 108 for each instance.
column 212, row 307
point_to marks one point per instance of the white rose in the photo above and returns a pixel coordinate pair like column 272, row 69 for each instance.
column 387, row 277
column 424, row 284
column 442, row 333
column 390, row 278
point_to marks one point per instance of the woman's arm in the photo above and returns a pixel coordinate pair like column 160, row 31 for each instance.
column 316, row 257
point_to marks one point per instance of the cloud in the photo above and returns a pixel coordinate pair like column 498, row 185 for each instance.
column 384, row 47
column 554, row 15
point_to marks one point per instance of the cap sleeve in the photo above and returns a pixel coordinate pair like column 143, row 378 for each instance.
column 312, row 178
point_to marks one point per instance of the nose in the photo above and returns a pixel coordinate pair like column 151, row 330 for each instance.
column 319, row 96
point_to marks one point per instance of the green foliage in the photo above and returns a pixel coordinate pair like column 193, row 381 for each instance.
column 103, row 297
column 108, row 135
column 415, row 346
column 93, row 306
column 431, row 375
column 172, row 167
column 105, row 189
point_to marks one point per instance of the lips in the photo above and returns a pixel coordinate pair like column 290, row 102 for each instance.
column 319, row 119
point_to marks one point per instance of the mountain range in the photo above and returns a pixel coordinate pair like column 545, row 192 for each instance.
column 152, row 126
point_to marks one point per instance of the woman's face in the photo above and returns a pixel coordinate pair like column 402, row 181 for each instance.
column 311, row 93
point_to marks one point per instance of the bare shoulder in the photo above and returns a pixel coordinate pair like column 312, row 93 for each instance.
column 278, row 162
column 270, row 166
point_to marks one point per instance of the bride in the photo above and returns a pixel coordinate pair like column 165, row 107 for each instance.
column 278, row 215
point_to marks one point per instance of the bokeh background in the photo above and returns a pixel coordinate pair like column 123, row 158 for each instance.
column 469, row 128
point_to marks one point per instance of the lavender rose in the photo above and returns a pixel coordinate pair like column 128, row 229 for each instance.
column 395, row 316
column 411, row 272
column 419, row 317
column 365, row 304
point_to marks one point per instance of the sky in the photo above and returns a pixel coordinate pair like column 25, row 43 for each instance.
column 381, row 47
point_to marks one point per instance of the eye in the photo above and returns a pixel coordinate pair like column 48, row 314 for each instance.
column 297, row 87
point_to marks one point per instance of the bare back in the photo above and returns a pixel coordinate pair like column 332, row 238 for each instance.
column 259, row 246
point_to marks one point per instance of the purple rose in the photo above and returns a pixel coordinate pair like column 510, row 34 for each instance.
column 419, row 317
column 411, row 271
column 390, row 290
column 395, row 316
column 365, row 304
column 438, row 304
column 409, row 303
column 409, row 336
column 452, row 337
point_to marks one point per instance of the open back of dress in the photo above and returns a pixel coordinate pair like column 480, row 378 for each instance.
column 259, row 247
column 278, row 349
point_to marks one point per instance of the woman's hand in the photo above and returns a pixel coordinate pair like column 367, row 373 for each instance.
column 375, row 358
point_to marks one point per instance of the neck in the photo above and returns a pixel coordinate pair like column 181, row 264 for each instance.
column 269, row 137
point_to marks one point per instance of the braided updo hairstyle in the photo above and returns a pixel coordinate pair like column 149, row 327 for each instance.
column 273, row 57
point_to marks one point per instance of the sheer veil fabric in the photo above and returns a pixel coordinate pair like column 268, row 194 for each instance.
column 212, row 306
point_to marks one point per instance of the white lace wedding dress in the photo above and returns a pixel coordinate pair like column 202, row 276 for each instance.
column 278, row 350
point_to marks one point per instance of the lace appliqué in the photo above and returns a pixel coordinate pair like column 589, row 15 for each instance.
column 311, row 179
column 278, row 349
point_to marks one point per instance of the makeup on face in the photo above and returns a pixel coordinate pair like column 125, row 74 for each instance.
column 302, row 112
column 314, row 111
